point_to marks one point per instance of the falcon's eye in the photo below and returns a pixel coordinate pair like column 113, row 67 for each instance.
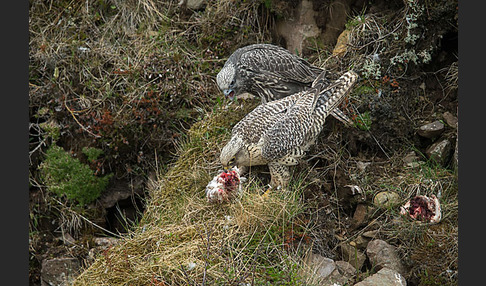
column 231, row 162
column 232, row 83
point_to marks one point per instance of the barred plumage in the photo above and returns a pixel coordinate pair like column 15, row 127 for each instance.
column 279, row 132
column 270, row 72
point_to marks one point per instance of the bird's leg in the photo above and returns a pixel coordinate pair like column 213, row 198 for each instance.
column 280, row 175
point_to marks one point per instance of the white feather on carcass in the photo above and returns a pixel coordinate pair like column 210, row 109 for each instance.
column 225, row 186
column 423, row 208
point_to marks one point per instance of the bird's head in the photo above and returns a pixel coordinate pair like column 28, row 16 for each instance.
column 231, row 153
column 226, row 80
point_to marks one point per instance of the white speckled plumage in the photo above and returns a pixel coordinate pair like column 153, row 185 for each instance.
column 279, row 132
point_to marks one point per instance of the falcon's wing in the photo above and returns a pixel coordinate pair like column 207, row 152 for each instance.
column 291, row 130
column 276, row 62
column 254, row 124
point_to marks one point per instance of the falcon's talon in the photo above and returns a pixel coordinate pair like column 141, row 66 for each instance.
column 266, row 193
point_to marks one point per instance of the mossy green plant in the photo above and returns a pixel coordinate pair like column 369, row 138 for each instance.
column 67, row 176
column 51, row 129
column 363, row 121
column 92, row 153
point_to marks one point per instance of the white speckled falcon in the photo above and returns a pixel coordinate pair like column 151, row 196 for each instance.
column 279, row 132
column 270, row 72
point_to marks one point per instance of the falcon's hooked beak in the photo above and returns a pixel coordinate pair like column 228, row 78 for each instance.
column 229, row 165
column 229, row 93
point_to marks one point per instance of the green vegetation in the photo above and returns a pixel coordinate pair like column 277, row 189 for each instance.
column 67, row 176
column 363, row 121
column 92, row 153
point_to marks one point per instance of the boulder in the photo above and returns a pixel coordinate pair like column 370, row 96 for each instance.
column 383, row 255
column 325, row 272
column 450, row 119
column 386, row 199
column 295, row 30
column 59, row 271
column 321, row 266
column 384, row 277
column 431, row 130
column 352, row 255
column 439, row 151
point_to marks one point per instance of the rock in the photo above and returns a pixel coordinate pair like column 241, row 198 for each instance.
column 345, row 268
column 370, row 234
column 319, row 270
column 360, row 216
column 450, row 119
column 384, row 277
column 411, row 160
column 192, row 4
column 352, row 255
column 439, row 151
column 381, row 255
column 320, row 265
column 431, row 130
column 386, row 199
column 59, row 271
column 336, row 278
column 361, row 242
column 121, row 190
column 342, row 44
column 105, row 241
column 299, row 27
column 325, row 272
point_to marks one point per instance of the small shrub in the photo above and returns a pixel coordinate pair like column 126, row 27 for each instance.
column 52, row 130
column 67, row 176
column 92, row 153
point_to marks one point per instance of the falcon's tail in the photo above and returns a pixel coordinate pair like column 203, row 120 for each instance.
column 334, row 94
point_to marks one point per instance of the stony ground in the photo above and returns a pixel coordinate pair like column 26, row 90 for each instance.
column 131, row 80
